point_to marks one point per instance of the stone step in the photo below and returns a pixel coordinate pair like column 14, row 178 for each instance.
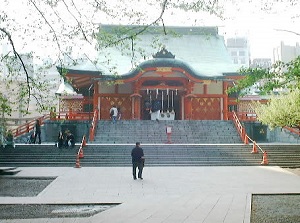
column 156, row 155
column 183, row 131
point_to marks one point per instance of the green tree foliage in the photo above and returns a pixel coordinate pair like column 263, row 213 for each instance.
column 282, row 78
column 279, row 76
column 281, row 110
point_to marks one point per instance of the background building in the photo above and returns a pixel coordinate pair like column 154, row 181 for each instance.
column 239, row 51
column 286, row 53
column 261, row 62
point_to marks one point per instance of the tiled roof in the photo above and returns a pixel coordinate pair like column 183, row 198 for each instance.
column 199, row 48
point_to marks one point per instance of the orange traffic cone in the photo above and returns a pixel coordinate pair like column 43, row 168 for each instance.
column 77, row 162
column 84, row 141
column 265, row 159
column 81, row 153
column 254, row 148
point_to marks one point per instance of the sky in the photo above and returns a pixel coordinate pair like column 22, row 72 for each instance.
column 256, row 21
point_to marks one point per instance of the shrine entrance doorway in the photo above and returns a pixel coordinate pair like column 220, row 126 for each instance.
column 167, row 106
column 162, row 100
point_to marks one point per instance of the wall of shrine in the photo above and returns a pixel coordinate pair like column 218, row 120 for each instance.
column 198, row 88
column 122, row 102
column 215, row 87
column 105, row 88
column 125, row 88
column 206, row 108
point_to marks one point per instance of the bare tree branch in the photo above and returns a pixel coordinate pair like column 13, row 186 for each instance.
column 164, row 5
column 78, row 23
column 289, row 31
column 54, row 33
column 21, row 60
column 53, row 30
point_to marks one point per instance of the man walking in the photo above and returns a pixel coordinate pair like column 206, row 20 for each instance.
column 138, row 159
column 113, row 113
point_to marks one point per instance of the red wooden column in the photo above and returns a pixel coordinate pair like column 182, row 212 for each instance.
column 136, row 102
column 225, row 101
column 136, row 106
column 188, row 101
column 187, row 108
column 96, row 95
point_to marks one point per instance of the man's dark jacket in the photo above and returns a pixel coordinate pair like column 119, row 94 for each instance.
column 137, row 153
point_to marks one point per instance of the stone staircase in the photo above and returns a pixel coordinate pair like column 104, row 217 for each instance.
column 193, row 143
column 283, row 155
column 184, row 132
column 119, row 155
column 100, row 155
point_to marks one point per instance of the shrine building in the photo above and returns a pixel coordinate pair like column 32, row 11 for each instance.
column 185, row 77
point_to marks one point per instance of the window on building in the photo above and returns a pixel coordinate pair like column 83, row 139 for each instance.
column 243, row 61
column 233, row 53
column 235, row 60
column 242, row 53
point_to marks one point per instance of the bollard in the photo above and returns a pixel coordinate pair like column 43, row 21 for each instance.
column 169, row 133
column 81, row 152
column 265, row 159
column 254, row 148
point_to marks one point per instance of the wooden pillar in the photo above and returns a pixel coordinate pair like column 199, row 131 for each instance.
column 187, row 108
column 136, row 101
column 225, row 101
column 188, row 101
column 95, row 95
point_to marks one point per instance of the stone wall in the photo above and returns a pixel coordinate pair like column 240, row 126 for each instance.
column 51, row 129
column 261, row 133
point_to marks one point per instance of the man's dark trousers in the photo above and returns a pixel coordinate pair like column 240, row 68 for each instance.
column 140, row 166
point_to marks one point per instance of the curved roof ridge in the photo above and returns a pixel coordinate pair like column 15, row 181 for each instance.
column 166, row 62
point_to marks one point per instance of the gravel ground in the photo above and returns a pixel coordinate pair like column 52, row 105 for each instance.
column 276, row 208
column 30, row 187
column 23, row 186
column 31, row 211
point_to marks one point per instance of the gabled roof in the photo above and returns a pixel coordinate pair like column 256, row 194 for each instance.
column 198, row 50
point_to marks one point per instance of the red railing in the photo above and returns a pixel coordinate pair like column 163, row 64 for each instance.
column 245, row 138
column 27, row 127
column 240, row 128
column 94, row 125
column 70, row 116
column 293, row 130
column 243, row 116
column 80, row 154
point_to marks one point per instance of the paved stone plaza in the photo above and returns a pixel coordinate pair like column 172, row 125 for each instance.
column 167, row 194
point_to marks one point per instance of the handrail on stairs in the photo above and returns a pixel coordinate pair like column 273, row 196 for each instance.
column 94, row 125
column 240, row 128
column 79, row 154
column 29, row 126
column 245, row 138
column 293, row 130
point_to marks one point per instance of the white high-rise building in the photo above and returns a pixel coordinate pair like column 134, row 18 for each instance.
column 286, row 53
column 239, row 50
